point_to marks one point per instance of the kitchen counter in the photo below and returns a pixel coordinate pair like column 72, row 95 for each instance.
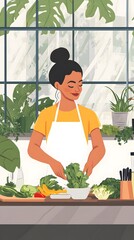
column 71, row 202
column 89, row 211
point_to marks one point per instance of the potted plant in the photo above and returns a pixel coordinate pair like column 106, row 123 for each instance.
column 121, row 107
column 21, row 110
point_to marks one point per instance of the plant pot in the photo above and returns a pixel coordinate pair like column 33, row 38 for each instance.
column 119, row 119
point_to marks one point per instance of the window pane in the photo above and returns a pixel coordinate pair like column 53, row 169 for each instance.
column 21, row 104
column 47, row 44
column 2, row 14
column 21, row 58
column 131, row 13
column 21, row 15
column 97, row 97
column 102, row 55
column 131, row 57
column 1, row 57
column 112, row 15
column 55, row 14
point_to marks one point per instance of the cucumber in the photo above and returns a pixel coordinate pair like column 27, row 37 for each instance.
column 10, row 192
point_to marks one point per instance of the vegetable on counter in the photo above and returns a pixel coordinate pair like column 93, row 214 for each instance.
column 39, row 195
column 47, row 191
column 76, row 178
column 102, row 191
column 28, row 190
column 112, row 185
column 50, row 182
column 10, row 192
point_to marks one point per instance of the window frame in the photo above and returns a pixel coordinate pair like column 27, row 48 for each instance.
column 126, row 28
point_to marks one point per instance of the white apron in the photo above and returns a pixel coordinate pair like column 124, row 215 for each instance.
column 67, row 143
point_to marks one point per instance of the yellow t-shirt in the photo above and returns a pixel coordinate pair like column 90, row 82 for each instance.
column 46, row 117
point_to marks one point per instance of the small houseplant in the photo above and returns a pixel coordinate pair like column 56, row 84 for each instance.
column 121, row 107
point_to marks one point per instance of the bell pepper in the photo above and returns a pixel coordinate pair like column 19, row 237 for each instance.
column 39, row 195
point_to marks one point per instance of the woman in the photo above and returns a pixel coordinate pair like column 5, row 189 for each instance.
column 66, row 125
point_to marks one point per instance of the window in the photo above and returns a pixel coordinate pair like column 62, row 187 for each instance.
column 100, row 39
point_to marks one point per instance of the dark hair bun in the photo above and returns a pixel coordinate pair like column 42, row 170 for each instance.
column 60, row 55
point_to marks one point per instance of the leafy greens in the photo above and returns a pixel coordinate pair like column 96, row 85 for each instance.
column 50, row 182
column 76, row 178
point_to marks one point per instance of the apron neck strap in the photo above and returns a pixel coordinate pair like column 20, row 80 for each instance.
column 57, row 110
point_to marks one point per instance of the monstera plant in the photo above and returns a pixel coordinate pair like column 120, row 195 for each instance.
column 50, row 14
column 21, row 110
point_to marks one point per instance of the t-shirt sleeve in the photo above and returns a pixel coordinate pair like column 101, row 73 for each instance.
column 93, row 122
column 39, row 125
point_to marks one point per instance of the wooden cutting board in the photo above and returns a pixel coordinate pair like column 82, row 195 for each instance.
column 15, row 199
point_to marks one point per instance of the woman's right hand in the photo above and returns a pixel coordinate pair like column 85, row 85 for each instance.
column 58, row 169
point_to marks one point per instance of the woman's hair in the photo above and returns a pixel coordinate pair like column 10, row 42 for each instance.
column 62, row 66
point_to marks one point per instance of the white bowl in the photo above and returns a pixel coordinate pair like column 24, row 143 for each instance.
column 78, row 193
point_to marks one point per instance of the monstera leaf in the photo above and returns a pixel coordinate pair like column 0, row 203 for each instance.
column 49, row 11
column 50, row 14
column 22, row 92
column 13, row 9
column 44, row 103
column 105, row 11
column 9, row 154
column 11, row 109
column 68, row 4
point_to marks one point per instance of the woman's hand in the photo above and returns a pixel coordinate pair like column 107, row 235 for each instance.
column 58, row 169
column 88, row 167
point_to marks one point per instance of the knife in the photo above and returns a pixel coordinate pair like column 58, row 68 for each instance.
column 124, row 175
column 130, row 174
column 120, row 174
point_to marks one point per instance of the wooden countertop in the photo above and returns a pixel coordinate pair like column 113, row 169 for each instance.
column 71, row 202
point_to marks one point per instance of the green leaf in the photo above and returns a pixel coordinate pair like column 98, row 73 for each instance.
column 21, row 93
column 12, row 110
column 31, row 15
column 50, row 14
column 2, row 16
column 13, row 9
column 68, row 4
column 115, row 95
column 44, row 103
column 105, row 11
column 9, row 154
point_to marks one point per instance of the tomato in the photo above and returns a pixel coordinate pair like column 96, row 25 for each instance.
column 40, row 195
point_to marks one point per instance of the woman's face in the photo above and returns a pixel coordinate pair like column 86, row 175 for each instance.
column 71, row 86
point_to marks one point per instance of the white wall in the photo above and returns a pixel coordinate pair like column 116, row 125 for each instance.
column 116, row 158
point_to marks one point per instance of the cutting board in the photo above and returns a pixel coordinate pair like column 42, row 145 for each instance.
column 15, row 199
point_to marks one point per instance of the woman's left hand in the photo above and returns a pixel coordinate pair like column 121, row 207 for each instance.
column 88, row 167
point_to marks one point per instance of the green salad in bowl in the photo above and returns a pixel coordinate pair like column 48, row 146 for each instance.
column 77, row 186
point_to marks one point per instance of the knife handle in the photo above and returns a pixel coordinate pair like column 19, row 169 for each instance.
column 120, row 174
